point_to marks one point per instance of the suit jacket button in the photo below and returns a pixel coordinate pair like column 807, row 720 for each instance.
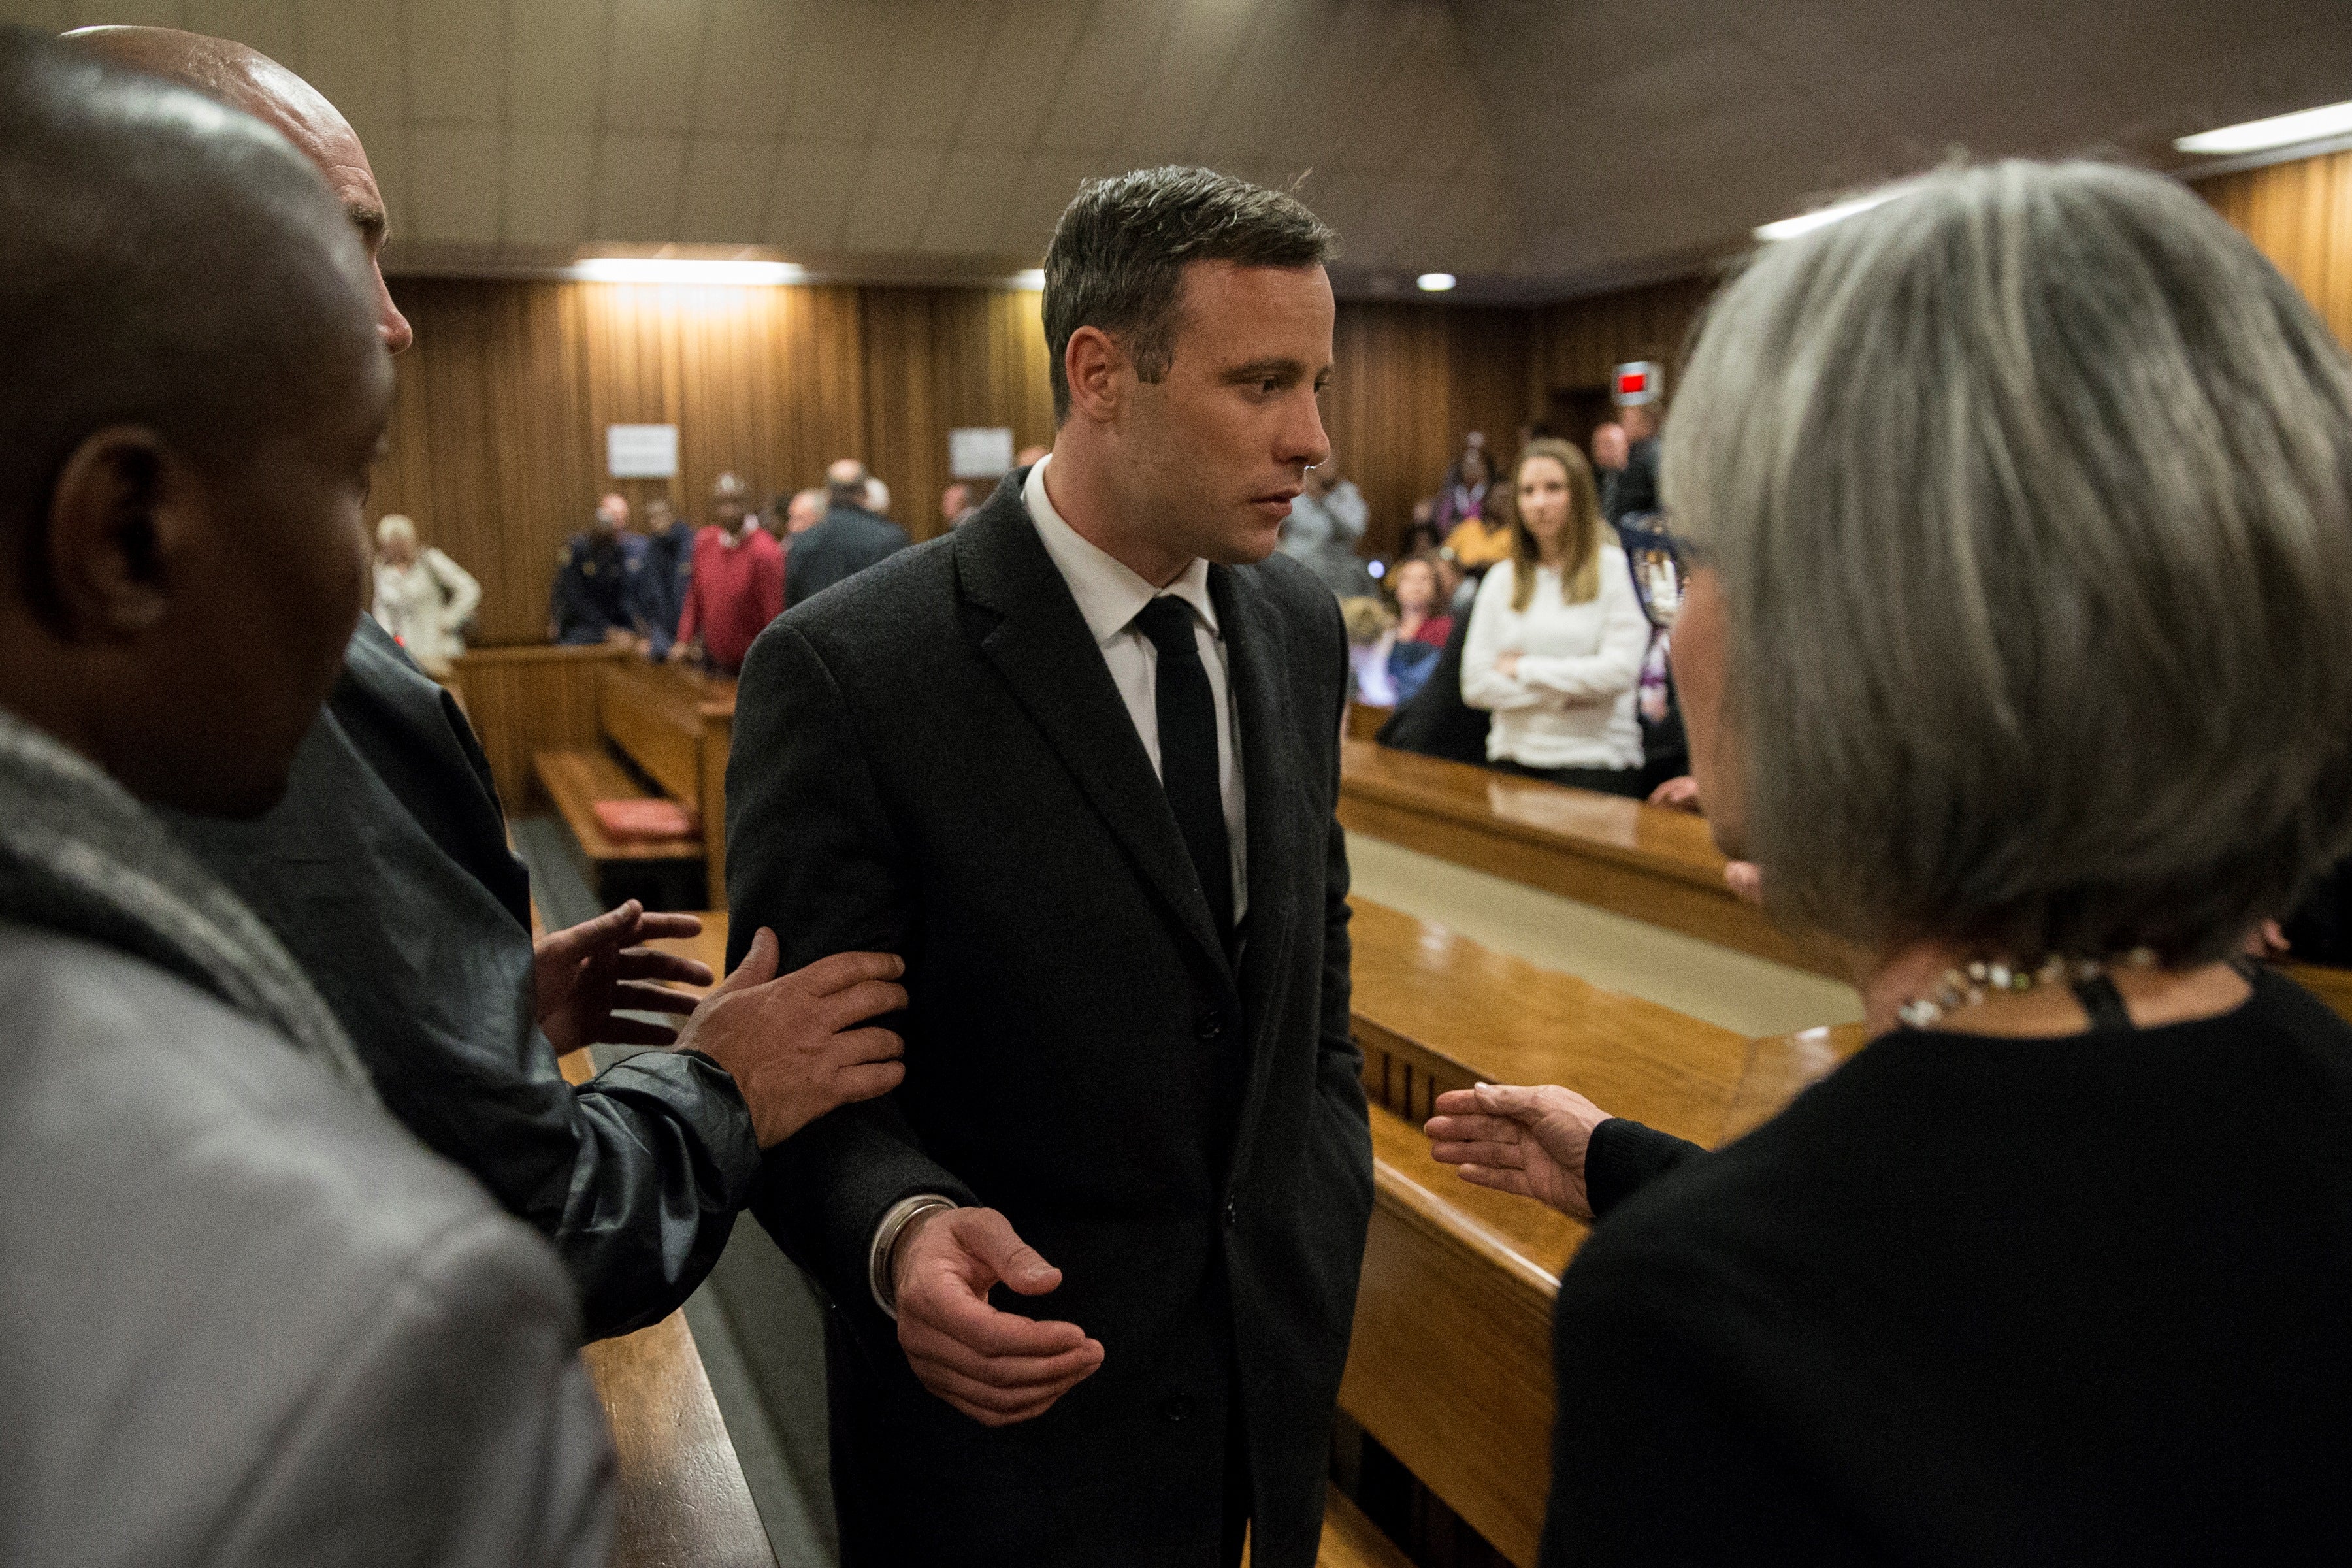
column 1208, row 1026
column 1233, row 1211
column 1178, row 1407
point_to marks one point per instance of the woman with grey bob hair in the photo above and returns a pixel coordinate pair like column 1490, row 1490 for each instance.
column 2018, row 653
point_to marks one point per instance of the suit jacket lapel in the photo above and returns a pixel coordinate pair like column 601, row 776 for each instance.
column 1271, row 775
column 1040, row 644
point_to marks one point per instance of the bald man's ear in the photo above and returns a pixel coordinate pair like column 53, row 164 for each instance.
column 1092, row 364
column 120, row 517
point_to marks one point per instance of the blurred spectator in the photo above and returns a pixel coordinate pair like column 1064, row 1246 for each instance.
column 737, row 587
column 1422, row 534
column 1480, row 541
column 1608, row 462
column 1371, row 633
column 1635, row 493
column 1434, row 721
column 669, row 567
column 1321, row 530
column 1463, row 493
column 1557, row 635
column 955, row 503
column 1423, row 626
column 877, row 497
column 425, row 600
column 602, row 588
column 848, row 539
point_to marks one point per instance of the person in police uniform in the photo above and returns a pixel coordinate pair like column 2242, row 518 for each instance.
column 603, row 587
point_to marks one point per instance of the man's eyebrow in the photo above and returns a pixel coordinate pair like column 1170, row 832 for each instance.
column 1259, row 369
column 369, row 220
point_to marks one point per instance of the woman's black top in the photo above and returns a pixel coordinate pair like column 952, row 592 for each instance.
column 1980, row 1301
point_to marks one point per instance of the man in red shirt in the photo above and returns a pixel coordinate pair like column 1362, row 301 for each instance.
column 738, row 585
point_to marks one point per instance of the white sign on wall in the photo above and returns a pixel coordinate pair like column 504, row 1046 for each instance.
column 977, row 453
column 641, row 451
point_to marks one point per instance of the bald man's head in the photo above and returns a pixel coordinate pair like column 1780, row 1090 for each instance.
column 249, row 80
column 845, row 478
column 195, row 391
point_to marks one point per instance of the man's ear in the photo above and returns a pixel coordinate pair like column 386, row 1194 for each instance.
column 120, row 517
column 1095, row 365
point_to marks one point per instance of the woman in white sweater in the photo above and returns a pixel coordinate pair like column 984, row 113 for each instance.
column 1556, row 639
column 422, row 597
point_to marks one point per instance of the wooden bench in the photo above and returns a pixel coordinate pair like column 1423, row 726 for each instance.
column 675, row 726
column 525, row 701
column 575, row 780
column 681, row 1493
column 1644, row 861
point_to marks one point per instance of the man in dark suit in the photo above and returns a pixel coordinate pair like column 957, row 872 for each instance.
column 847, row 541
column 1077, row 763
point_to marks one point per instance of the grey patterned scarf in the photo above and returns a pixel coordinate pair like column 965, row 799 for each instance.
column 79, row 855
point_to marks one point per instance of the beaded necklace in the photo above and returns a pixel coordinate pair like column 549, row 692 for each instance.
column 1985, row 978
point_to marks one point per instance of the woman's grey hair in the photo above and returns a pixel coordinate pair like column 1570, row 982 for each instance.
column 2030, row 493
column 394, row 530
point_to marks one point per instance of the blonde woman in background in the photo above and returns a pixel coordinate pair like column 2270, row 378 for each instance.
column 422, row 597
column 1557, row 635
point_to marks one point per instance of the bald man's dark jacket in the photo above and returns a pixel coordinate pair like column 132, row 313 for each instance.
column 844, row 541
column 386, row 872
column 933, row 760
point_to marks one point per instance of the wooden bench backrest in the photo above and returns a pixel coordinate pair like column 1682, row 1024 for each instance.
column 642, row 713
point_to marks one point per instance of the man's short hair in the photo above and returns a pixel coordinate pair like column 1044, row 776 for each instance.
column 2030, row 495
column 164, row 261
column 1118, row 258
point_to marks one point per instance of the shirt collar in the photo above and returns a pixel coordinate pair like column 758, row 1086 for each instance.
column 1110, row 592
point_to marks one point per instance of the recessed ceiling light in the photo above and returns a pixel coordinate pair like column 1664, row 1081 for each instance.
column 655, row 269
column 2278, row 130
column 1805, row 223
column 1033, row 279
column 1435, row 282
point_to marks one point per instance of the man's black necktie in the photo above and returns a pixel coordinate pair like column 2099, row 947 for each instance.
column 1188, row 751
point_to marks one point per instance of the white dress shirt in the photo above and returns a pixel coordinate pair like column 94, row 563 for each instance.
column 1109, row 595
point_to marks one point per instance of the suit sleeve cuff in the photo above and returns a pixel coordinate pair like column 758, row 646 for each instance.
column 895, row 1222
column 1624, row 1156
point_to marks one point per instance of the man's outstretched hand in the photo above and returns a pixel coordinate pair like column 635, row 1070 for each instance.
column 1531, row 1142
column 801, row 1046
column 996, row 1367
column 582, row 974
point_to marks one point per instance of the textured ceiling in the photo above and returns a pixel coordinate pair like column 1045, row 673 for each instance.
column 1529, row 146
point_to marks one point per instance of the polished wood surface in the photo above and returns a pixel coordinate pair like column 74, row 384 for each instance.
column 1435, row 1011
column 681, row 1491
column 2331, row 985
column 525, row 701
column 575, row 781
column 1640, row 861
column 2299, row 214
column 1365, row 718
column 1350, row 1540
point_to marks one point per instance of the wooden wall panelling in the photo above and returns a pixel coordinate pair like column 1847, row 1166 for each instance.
column 1409, row 381
column 2300, row 215
column 941, row 359
column 1578, row 343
